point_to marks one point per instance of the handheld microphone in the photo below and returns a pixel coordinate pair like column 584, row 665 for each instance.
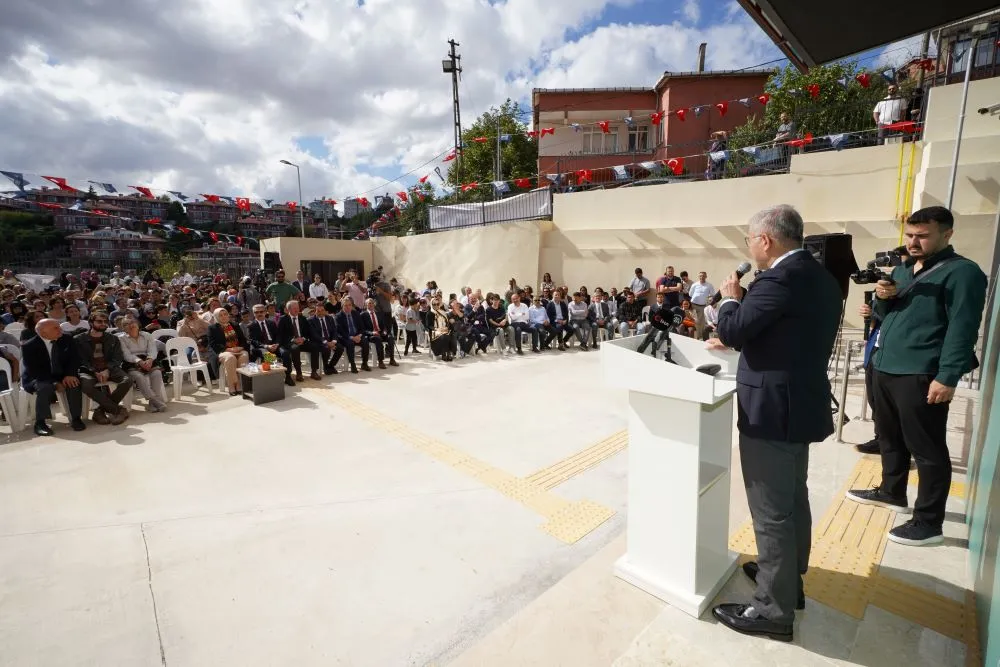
column 741, row 271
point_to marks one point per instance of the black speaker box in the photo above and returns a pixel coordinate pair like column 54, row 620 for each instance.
column 272, row 262
column 835, row 252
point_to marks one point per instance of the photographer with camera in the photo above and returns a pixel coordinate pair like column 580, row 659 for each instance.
column 897, row 256
column 929, row 314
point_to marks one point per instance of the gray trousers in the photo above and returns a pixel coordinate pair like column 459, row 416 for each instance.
column 775, row 475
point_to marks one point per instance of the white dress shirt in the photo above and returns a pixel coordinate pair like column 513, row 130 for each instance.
column 318, row 291
column 517, row 313
column 700, row 293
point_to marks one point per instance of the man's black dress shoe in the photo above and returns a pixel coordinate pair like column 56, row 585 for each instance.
column 733, row 617
column 751, row 569
column 289, row 381
column 41, row 428
column 78, row 425
column 870, row 447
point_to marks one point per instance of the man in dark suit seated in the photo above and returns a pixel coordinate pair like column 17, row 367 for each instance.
column 294, row 338
column 263, row 335
column 351, row 332
column 377, row 331
column 558, row 312
column 51, row 363
column 784, row 328
column 324, row 335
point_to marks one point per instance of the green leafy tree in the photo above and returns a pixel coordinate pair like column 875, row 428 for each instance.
column 414, row 214
column 519, row 155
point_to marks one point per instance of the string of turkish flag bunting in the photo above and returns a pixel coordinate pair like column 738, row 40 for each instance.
column 414, row 194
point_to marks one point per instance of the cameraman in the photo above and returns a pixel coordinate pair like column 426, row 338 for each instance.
column 872, row 446
column 929, row 313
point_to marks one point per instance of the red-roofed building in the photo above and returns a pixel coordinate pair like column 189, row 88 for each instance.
column 205, row 212
column 138, row 206
column 578, row 142
column 115, row 244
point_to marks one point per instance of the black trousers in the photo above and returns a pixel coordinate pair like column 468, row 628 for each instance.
column 294, row 353
column 44, row 393
column 383, row 344
column 349, row 347
column 870, row 394
column 411, row 339
column 909, row 427
column 330, row 357
column 775, row 475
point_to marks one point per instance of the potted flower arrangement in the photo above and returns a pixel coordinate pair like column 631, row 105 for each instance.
column 269, row 359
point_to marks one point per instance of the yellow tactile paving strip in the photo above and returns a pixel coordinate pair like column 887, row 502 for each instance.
column 566, row 520
column 848, row 545
column 556, row 474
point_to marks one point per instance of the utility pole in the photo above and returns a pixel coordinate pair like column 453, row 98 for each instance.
column 498, row 176
column 453, row 66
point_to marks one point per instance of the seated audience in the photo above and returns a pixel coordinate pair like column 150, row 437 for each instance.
column 377, row 331
column 324, row 335
column 630, row 316
column 600, row 313
column 440, row 331
column 517, row 318
column 139, row 351
column 74, row 323
column 351, row 332
column 558, row 312
column 293, row 334
column 538, row 323
column 496, row 317
column 101, row 363
column 51, row 362
column 229, row 345
column 579, row 319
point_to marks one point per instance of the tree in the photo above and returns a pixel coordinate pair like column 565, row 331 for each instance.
column 176, row 214
column 519, row 154
column 414, row 214
column 836, row 109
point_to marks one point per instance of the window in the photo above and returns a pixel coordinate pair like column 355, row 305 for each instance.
column 596, row 142
column 638, row 139
column 985, row 50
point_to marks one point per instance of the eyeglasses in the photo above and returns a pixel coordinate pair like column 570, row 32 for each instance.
column 747, row 239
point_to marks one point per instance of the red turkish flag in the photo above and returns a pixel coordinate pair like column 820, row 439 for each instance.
column 402, row 196
column 813, row 89
column 723, row 107
column 764, row 99
column 212, row 198
column 864, row 79
column 449, row 157
column 469, row 186
column 604, row 125
column 583, row 176
column 680, row 113
column 213, row 236
column 532, row 134
column 153, row 221
column 676, row 165
column 363, row 201
column 239, row 240
column 243, row 203
column 522, row 182
column 656, row 117
column 423, row 179
column 292, row 205
column 547, row 130
column 44, row 205
column 61, row 182
column 184, row 230
column 480, row 140
column 144, row 191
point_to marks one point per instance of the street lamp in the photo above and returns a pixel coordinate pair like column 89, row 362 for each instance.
column 298, row 175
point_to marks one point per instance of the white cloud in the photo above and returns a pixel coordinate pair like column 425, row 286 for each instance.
column 899, row 52
column 691, row 10
column 208, row 95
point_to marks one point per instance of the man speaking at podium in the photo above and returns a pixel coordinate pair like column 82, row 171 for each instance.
column 784, row 328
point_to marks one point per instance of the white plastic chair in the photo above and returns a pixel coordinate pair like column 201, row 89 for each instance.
column 15, row 329
column 180, row 366
column 160, row 334
column 9, row 398
column 14, row 350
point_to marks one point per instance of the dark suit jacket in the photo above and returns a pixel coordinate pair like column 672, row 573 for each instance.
column 317, row 330
column 217, row 339
column 286, row 330
column 302, row 285
column 383, row 323
column 258, row 338
column 36, row 365
column 342, row 328
column 785, row 328
column 562, row 314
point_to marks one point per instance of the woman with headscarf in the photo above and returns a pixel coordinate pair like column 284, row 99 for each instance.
column 441, row 336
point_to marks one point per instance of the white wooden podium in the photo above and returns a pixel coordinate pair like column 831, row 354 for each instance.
column 680, row 446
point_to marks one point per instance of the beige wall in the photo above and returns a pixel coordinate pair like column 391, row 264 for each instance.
column 485, row 257
column 294, row 251
column 599, row 237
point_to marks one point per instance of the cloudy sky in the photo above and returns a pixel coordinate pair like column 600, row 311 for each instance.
column 207, row 95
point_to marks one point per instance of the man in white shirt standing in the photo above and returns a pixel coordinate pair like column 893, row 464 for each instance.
column 700, row 294
column 889, row 110
column 317, row 289
column 517, row 319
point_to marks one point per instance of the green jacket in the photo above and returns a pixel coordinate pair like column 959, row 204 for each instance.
column 281, row 293
column 933, row 329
